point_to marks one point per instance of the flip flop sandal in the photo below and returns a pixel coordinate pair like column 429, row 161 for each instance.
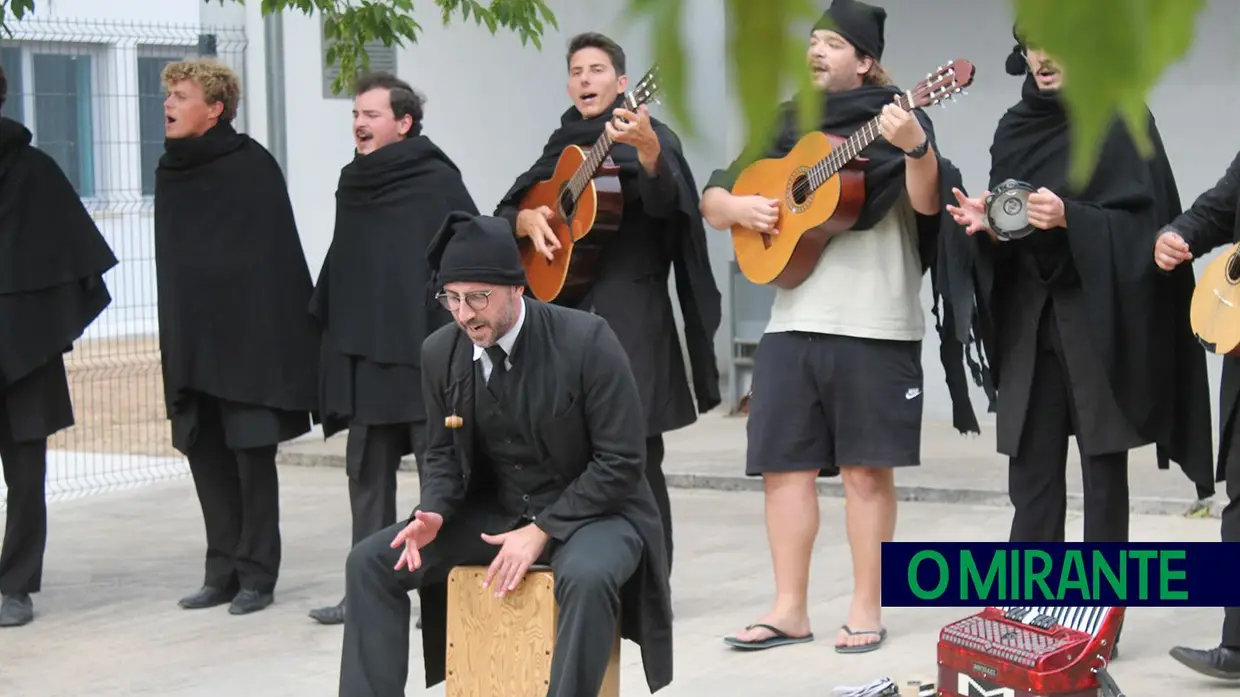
column 781, row 638
column 862, row 648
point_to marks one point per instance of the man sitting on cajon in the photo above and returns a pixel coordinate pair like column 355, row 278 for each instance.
column 536, row 447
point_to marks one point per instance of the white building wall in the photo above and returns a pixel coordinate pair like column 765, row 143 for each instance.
column 492, row 103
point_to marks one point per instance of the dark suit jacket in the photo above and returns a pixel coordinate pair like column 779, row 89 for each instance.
column 1209, row 223
column 586, row 422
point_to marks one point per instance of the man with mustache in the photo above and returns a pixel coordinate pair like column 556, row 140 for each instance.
column 51, row 289
column 534, row 456
column 662, row 231
column 837, row 382
column 373, row 299
column 239, row 349
column 1211, row 222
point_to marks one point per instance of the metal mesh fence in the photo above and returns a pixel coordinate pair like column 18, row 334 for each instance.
column 91, row 93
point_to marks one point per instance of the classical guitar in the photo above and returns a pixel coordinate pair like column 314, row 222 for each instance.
column 1215, row 310
column 584, row 193
column 820, row 185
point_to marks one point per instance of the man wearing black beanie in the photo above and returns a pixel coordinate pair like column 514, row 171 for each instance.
column 837, row 382
column 535, row 451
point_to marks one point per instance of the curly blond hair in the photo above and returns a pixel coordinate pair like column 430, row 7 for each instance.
column 220, row 85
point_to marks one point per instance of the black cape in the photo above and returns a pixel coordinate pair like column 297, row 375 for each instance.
column 700, row 300
column 52, row 258
column 233, row 281
column 374, row 298
column 948, row 261
column 1140, row 318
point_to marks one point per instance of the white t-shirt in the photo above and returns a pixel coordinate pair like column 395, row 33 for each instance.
column 867, row 284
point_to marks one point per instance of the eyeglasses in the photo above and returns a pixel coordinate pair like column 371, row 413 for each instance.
column 477, row 300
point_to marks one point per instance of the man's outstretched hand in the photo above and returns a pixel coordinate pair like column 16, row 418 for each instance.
column 421, row 531
column 518, row 551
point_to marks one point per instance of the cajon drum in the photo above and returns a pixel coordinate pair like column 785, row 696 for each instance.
column 501, row 647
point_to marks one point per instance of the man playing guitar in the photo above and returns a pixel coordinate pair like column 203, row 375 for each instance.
column 837, row 383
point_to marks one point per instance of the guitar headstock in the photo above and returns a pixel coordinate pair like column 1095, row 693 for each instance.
column 645, row 91
column 941, row 85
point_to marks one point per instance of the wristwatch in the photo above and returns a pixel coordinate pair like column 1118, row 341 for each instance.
column 920, row 151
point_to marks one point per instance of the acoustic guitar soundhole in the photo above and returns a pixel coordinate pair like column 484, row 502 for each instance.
column 568, row 205
column 800, row 191
column 1233, row 268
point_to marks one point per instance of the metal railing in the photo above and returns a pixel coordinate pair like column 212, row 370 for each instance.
column 91, row 93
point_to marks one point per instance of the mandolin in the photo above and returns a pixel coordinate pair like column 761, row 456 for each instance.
column 820, row 185
column 1215, row 310
column 584, row 193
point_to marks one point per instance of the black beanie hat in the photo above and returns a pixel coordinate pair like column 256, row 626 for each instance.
column 1016, row 64
column 475, row 249
column 859, row 23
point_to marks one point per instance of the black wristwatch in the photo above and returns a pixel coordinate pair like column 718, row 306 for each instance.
column 920, row 151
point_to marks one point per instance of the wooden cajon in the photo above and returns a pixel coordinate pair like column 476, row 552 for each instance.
column 501, row 647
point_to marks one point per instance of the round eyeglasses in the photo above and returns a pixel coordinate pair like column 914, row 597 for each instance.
column 477, row 300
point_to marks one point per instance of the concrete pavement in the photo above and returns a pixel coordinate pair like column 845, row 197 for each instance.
column 108, row 624
column 710, row 454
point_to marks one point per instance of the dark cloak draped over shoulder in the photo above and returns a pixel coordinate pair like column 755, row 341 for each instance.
column 941, row 252
column 374, row 296
column 233, row 281
column 700, row 300
column 1139, row 317
column 52, row 258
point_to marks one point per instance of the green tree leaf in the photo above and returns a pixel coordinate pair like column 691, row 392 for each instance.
column 1113, row 53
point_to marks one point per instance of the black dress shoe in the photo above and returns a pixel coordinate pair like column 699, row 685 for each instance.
column 206, row 597
column 332, row 614
column 16, row 610
column 1220, row 662
column 248, row 601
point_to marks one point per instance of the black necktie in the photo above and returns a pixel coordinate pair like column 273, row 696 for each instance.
column 499, row 370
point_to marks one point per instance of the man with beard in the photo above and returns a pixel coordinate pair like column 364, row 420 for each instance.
column 52, row 262
column 373, row 299
column 1211, row 222
column 534, row 456
column 1088, row 339
column 662, row 230
column 837, row 382
column 238, row 347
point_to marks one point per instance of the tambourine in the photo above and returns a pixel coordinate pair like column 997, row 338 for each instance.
column 1007, row 210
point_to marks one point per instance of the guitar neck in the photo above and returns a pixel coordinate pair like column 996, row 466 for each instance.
column 594, row 159
column 828, row 166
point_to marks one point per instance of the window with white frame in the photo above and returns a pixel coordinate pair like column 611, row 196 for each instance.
column 51, row 91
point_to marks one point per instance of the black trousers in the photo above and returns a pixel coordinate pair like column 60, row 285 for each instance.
column 374, row 454
column 239, row 492
column 1231, row 526
column 590, row 568
column 1036, row 476
column 25, row 527
column 658, row 484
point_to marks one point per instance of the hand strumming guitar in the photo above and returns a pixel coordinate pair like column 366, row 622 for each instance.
column 534, row 225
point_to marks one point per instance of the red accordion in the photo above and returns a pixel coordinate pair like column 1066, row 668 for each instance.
column 1028, row 651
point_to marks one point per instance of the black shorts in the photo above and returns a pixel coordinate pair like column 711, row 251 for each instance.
column 822, row 401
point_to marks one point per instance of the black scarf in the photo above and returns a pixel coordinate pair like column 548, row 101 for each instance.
column 233, row 281
column 943, row 248
column 52, row 258
column 1138, row 316
column 700, row 300
column 374, row 297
